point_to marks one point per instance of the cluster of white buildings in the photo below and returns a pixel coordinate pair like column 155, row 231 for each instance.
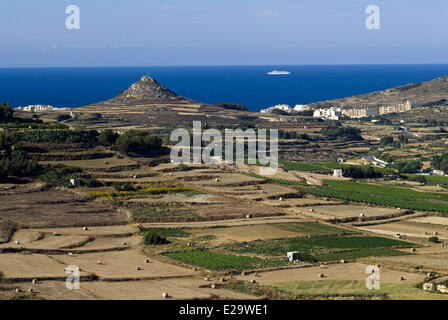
column 286, row 108
column 333, row 113
column 328, row 113
column 39, row 108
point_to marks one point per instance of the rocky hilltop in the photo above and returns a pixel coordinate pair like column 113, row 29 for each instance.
column 145, row 91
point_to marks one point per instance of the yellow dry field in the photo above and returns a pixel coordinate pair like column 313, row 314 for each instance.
column 279, row 174
column 58, row 242
column 348, row 211
column 347, row 271
column 110, row 243
column 141, row 180
column 409, row 229
column 25, row 236
column 431, row 220
column 71, row 242
column 122, row 265
column 191, row 114
column 223, row 223
column 437, row 262
column 229, row 179
column 298, row 202
column 183, row 198
column 182, row 289
column 29, row 266
column 185, row 289
column 117, row 230
column 253, row 192
column 246, row 233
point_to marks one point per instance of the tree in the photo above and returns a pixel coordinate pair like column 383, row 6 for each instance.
column 107, row 138
column 6, row 112
column 421, row 179
column 63, row 117
column 14, row 162
column 336, row 132
column 410, row 166
column 232, row 106
column 403, row 139
column 136, row 142
column 386, row 140
column 440, row 162
column 360, row 172
column 154, row 238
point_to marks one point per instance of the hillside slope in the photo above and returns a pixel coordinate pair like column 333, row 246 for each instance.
column 429, row 93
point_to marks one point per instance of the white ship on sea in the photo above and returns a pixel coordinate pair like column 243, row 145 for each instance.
column 278, row 73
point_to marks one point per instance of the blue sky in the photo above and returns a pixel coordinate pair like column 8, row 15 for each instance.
column 221, row 32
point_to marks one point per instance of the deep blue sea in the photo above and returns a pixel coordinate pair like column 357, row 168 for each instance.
column 249, row 85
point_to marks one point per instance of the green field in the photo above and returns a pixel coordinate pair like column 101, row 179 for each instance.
column 322, row 166
column 430, row 179
column 324, row 248
column 218, row 261
column 382, row 195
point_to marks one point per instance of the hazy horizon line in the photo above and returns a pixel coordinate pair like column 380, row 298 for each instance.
column 229, row 65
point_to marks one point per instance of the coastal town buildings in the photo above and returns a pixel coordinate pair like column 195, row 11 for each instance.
column 399, row 108
column 39, row 108
column 301, row 107
column 328, row 113
column 360, row 112
column 281, row 107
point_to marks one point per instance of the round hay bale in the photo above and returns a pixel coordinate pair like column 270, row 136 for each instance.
column 213, row 286
column 253, row 281
column 401, row 278
column 165, row 295
column 428, row 286
column 85, row 228
column 206, row 279
column 30, row 290
column 147, row 260
column 321, row 275
column 343, row 261
column 138, row 268
column 413, row 250
column 99, row 262
column 17, row 242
